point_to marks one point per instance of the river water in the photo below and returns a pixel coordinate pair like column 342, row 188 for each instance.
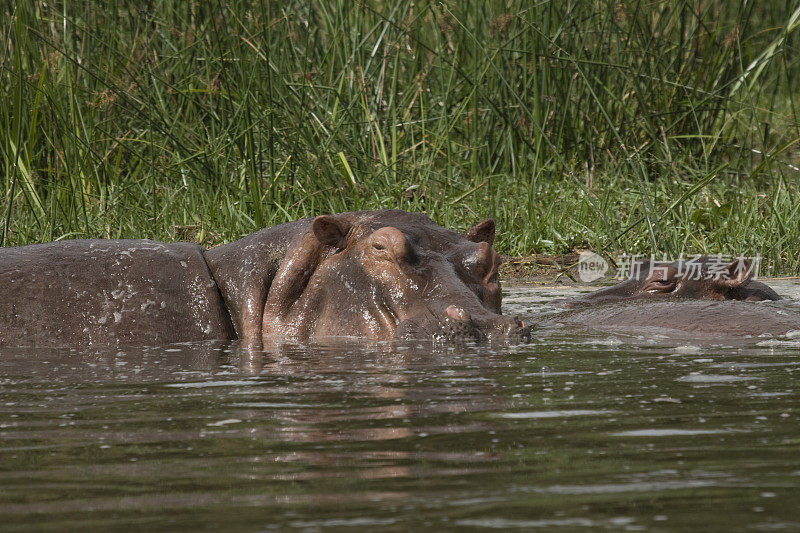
column 567, row 433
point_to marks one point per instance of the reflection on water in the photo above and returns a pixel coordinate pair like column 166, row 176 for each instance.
column 565, row 433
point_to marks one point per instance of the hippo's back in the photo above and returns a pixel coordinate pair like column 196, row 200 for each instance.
column 108, row 293
column 686, row 318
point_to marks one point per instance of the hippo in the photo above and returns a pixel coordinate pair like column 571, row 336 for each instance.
column 695, row 319
column 377, row 275
column 701, row 278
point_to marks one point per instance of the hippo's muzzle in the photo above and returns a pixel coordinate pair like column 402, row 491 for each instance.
column 456, row 324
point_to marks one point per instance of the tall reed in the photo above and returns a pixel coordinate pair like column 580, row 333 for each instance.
column 645, row 127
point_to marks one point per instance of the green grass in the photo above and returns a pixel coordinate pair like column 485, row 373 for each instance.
column 660, row 127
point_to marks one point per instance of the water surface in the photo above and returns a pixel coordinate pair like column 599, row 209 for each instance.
column 567, row 433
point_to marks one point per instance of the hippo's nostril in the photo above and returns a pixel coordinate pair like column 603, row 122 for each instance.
column 456, row 313
column 516, row 329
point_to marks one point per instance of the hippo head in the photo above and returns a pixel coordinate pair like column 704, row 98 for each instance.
column 385, row 277
column 702, row 278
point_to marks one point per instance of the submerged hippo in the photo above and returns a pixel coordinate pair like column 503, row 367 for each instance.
column 689, row 318
column 372, row 274
column 702, row 278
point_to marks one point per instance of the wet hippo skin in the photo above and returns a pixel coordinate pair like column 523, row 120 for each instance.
column 108, row 292
column 699, row 298
column 697, row 319
column 703, row 278
column 371, row 274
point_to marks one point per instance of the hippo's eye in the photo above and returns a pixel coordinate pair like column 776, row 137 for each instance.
column 382, row 249
column 661, row 285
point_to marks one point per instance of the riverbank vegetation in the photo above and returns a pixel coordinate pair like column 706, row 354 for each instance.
column 661, row 127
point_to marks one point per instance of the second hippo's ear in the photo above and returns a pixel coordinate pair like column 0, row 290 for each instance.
column 736, row 274
column 331, row 230
column 483, row 232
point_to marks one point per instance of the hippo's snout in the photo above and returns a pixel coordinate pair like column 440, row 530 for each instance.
column 510, row 328
column 492, row 327
column 456, row 324
column 456, row 313
column 518, row 331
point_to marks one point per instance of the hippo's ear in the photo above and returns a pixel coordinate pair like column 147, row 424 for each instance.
column 331, row 231
column 736, row 274
column 483, row 232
